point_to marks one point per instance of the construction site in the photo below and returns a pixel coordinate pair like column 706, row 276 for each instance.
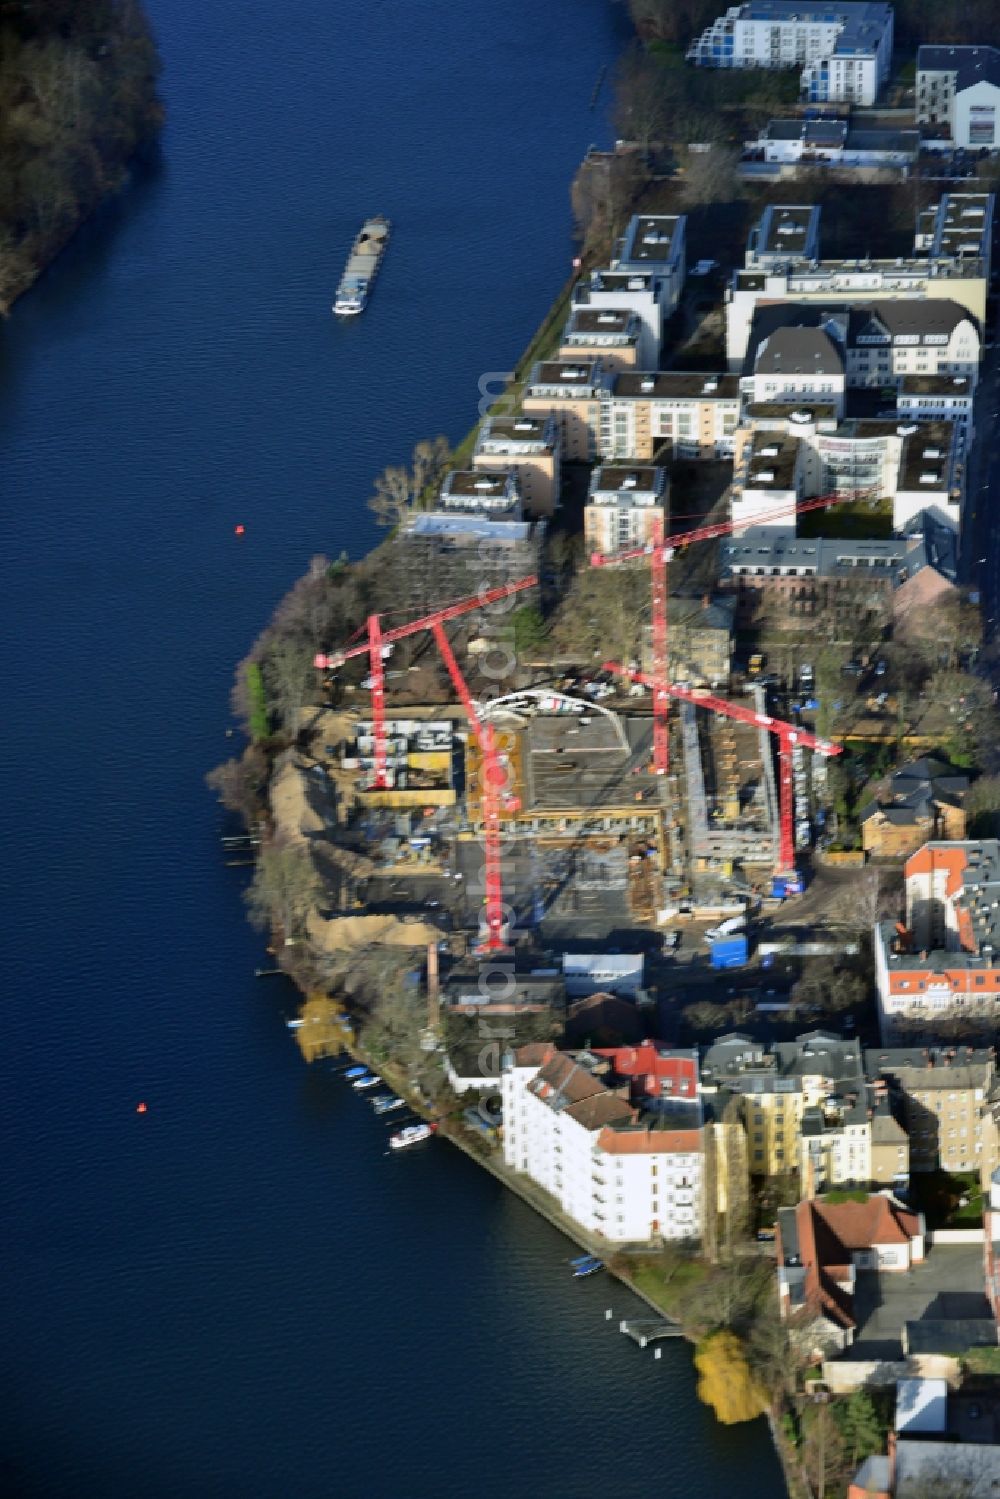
column 570, row 809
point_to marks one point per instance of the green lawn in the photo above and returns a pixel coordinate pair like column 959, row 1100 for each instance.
column 937, row 1194
column 672, row 1284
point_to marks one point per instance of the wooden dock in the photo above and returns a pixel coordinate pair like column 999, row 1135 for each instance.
column 646, row 1330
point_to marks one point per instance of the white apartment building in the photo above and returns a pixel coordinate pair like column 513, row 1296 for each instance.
column 624, row 503
column 950, row 262
column 798, row 366
column 656, row 244
column 625, row 1173
column 918, row 465
column 769, row 484
column 880, row 342
column 844, row 48
column 640, row 411
column 959, row 88
column 948, row 397
column 638, row 292
column 786, row 234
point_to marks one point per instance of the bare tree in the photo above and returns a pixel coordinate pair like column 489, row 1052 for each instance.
column 710, row 176
column 285, row 887
column 640, row 113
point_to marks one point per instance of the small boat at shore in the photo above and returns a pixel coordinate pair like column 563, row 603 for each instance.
column 411, row 1134
column 589, row 1266
column 353, row 1072
column 388, row 1105
column 293, row 1025
column 362, row 267
column 369, row 1080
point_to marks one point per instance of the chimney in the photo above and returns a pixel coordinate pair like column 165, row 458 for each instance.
column 433, row 987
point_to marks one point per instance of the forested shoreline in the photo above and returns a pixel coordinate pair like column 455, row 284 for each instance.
column 77, row 99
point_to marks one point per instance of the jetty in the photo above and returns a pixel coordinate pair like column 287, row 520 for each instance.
column 646, row 1330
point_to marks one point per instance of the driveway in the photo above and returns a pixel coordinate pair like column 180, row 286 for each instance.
column 946, row 1287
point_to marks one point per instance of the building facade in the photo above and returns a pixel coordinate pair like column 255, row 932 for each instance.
column 943, row 965
column 528, row 447
column 844, row 51
column 627, row 1172
column 959, row 88
column 624, row 506
column 695, row 415
column 569, row 392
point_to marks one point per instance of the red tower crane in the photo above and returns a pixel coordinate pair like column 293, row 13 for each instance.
column 659, row 552
column 788, row 736
column 376, row 648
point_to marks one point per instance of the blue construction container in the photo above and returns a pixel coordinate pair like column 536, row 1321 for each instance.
column 729, row 952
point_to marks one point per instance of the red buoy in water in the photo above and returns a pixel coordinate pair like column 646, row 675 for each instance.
column 142, row 1108
column 240, row 530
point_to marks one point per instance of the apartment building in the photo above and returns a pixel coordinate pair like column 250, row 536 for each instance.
column 959, row 229
column 786, row 234
column 624, row 505
column 843, row 50
column 495, row 496
column 610, row 334
column 614, row 1136
column 769, row 483
column 784, row 581
column 950, row 262
column 942, row 1095
column 641, row 411
column 636, row 292
column 529, row 448
column 950, row 398
column 795, row 364
column 959, row 87
column 656, row 244
column 832, row 143
column 944, row 963
column 569, row 392
column 882, row 342
column 816, row 1076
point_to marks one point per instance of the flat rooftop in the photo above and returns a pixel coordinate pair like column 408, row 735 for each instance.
column 459, row 527
column 475, row 483
column 771, row 461
column 603, row 320
column 566, row 373
column 674, row 385
column 512, row 430
column 786, row 229
column 936, row 385
column 626, row 479
column 650, row 238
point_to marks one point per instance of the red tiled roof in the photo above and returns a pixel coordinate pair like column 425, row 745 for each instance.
column 650, row 1141
column 860, row 1225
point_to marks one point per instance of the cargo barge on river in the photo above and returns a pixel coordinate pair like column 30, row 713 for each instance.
column 362, row 267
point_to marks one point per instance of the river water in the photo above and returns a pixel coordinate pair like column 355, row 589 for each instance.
column 237, row 1293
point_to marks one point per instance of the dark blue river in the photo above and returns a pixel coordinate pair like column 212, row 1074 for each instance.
column 237, row 1293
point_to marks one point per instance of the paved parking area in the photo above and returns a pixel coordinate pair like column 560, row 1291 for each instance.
column 947, row 1286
